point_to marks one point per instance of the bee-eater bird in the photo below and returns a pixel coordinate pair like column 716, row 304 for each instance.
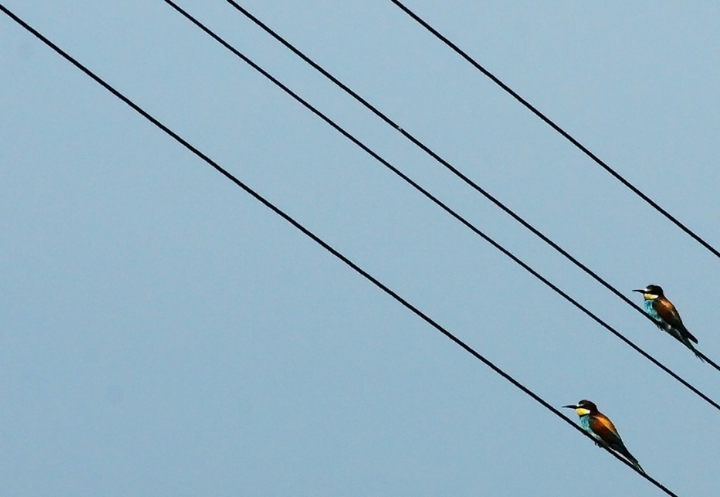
column 602, row 430
column 666, row 316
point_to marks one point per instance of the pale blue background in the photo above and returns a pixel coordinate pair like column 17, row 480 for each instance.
column 162, row 333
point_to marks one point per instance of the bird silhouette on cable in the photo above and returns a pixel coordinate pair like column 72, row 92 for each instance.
column 602, row 430
column 666, row 316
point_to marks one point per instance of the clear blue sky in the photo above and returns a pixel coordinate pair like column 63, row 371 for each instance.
column 162, row 333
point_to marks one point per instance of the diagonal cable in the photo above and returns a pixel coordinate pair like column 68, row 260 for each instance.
column 429, row 152
column 319, row 241
column 557, row 128
column 443, row 206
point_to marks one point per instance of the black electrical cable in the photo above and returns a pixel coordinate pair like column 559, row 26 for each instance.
column 442, row 205
column 557, row 128
column 319, row 241
column 439, row 159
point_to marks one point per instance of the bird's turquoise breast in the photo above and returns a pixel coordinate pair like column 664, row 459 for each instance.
column 650, row 310
column 585, row 423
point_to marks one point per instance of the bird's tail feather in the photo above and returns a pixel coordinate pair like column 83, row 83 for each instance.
column 637, row 465
column 627, row 455
column 695, row 351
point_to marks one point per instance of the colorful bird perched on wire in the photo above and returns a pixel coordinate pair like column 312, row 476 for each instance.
column 666, row 316
column 602, row 430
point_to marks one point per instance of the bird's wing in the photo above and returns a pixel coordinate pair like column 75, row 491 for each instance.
column 667, row 311
column 604, row 428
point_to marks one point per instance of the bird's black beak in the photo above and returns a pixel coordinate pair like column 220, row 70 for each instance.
column 641, row 291
column 571, row 407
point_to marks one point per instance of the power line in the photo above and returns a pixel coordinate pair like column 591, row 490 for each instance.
column 318, row 240
column 442, row 205
column 442, row 161
column 557, row 128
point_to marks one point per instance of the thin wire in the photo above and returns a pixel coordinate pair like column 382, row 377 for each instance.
column 437, row 158
column 557, row 128
column 319, row 241
column 442, row 205
column 708, row 360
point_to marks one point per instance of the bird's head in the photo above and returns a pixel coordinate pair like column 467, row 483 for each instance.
column 583, row 408
column 651, row 292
